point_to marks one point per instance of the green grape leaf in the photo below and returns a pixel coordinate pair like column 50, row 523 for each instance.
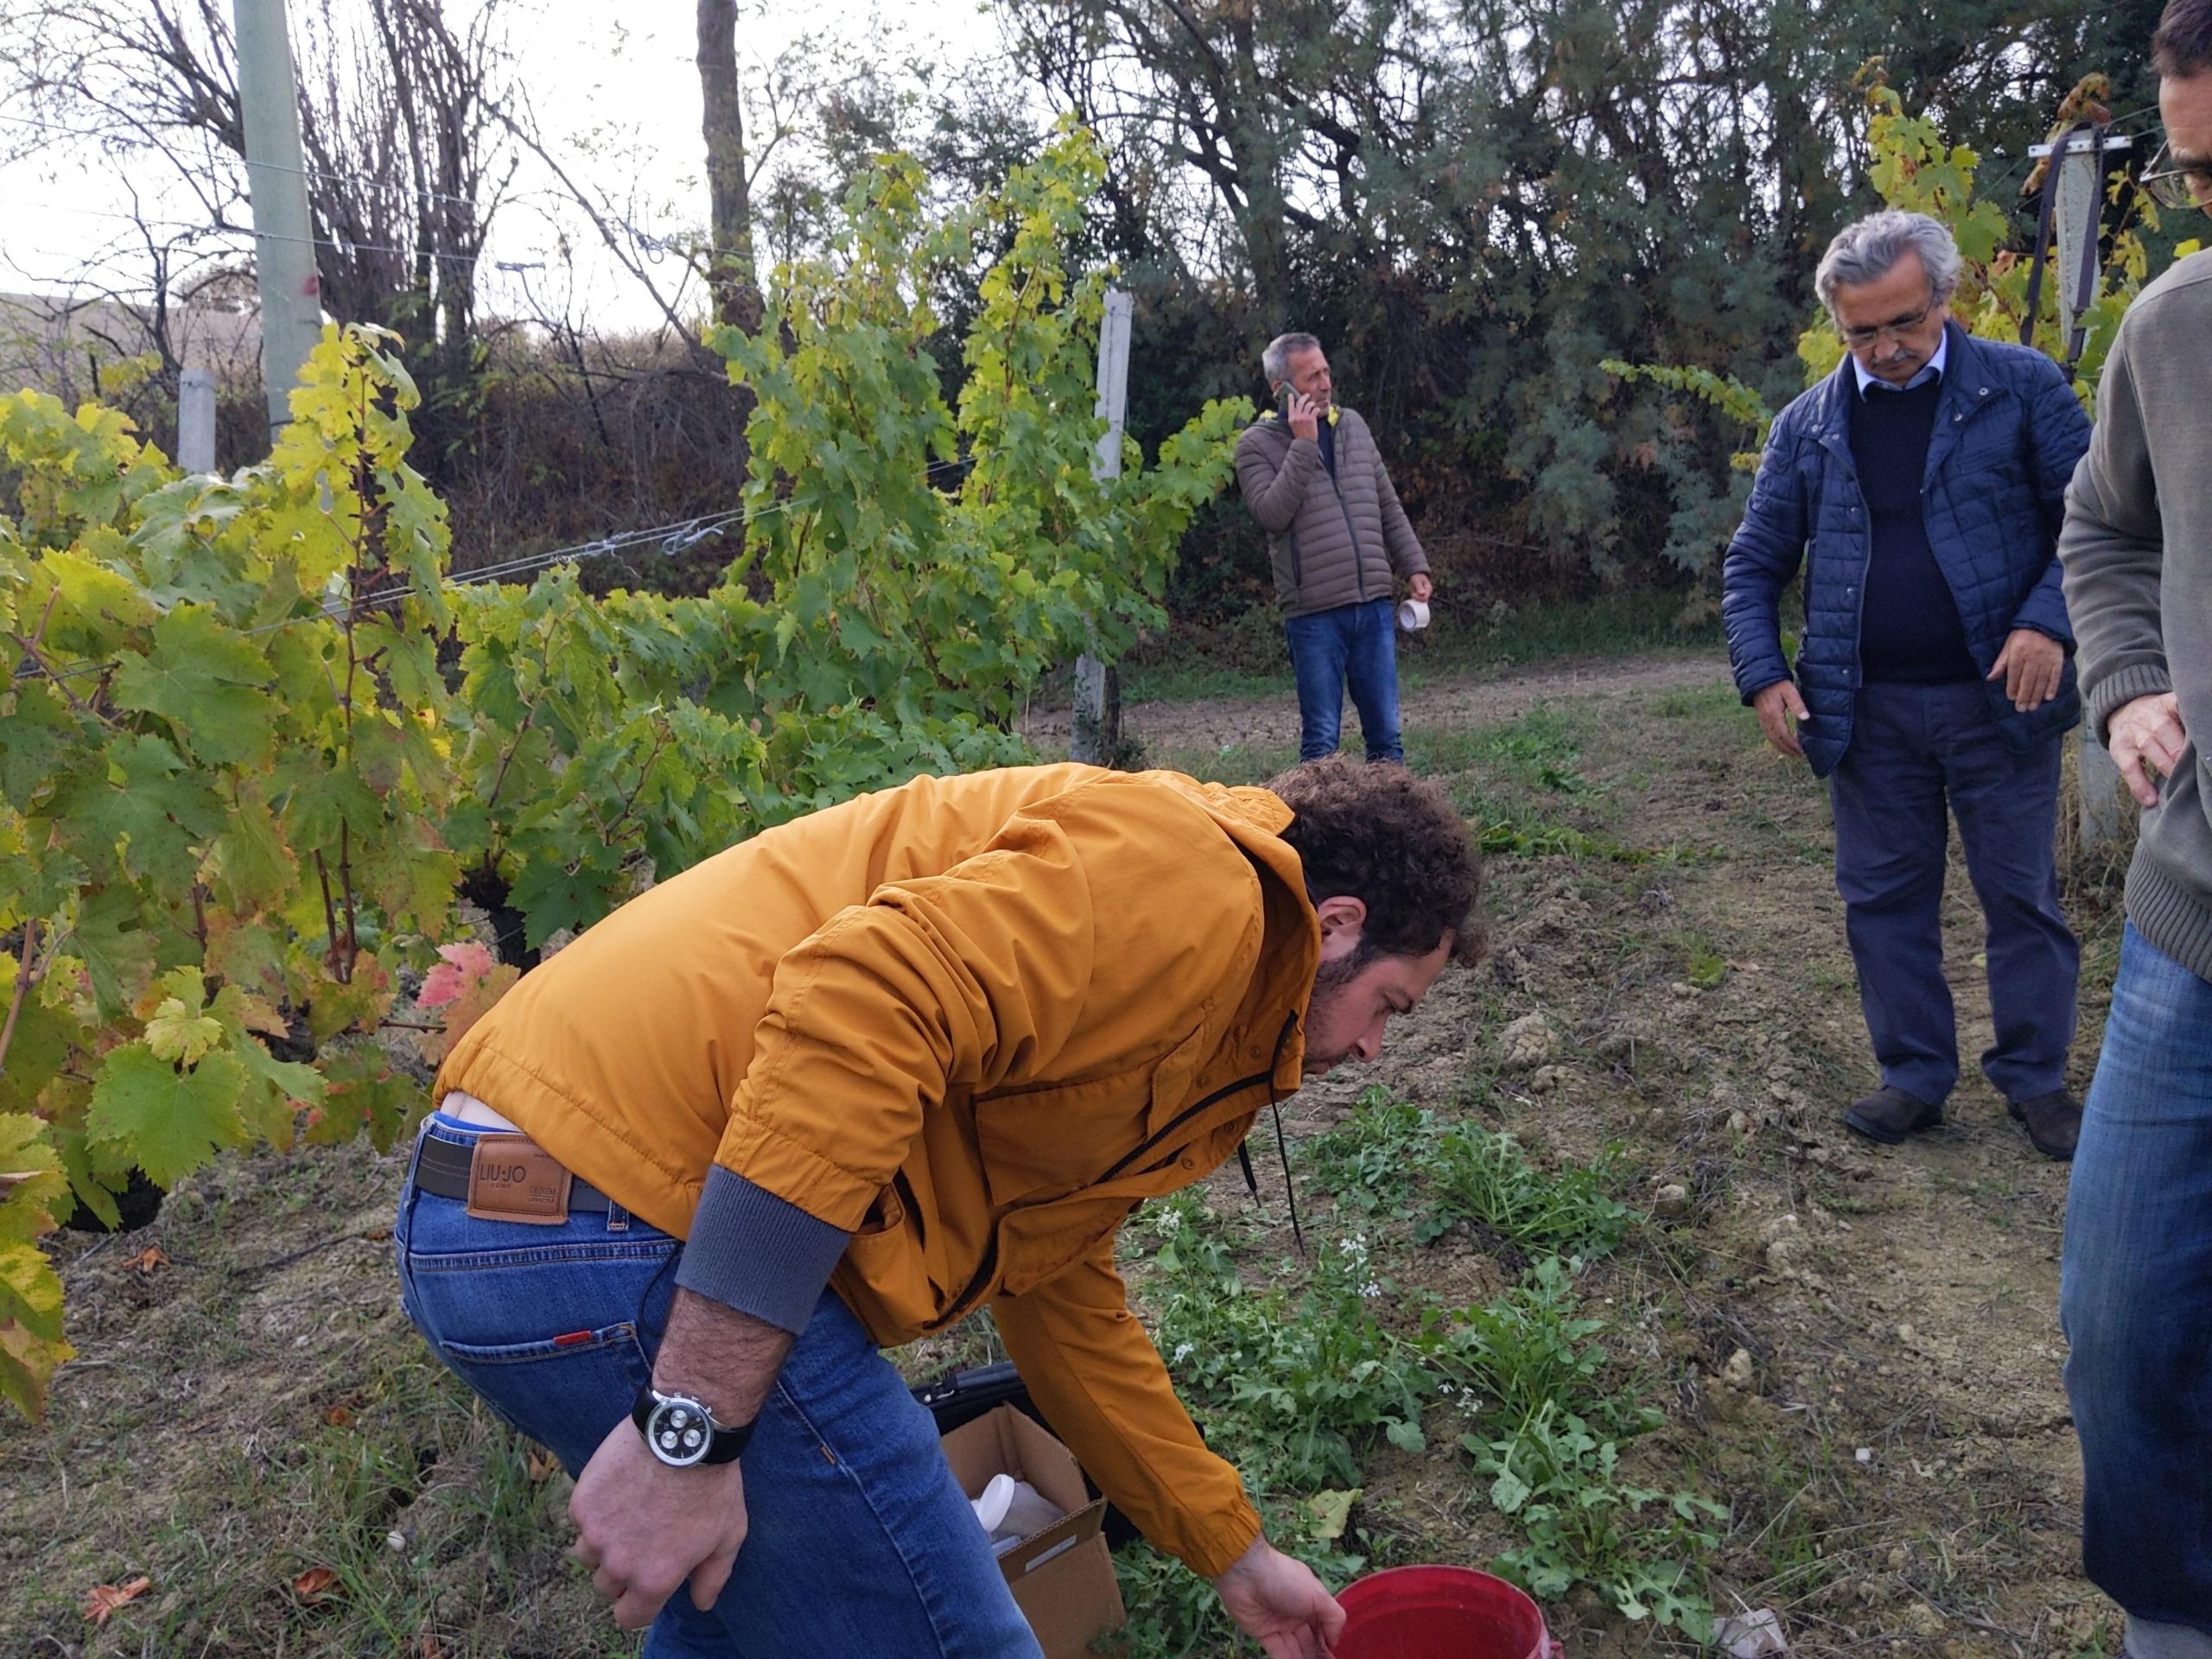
column 38, row 1050
column 321, row 798
column 170, row 1122
column 355, row 1004
column 31, row 1344
column 112, row 940
column 148, row 804
column 34, row 1190
column 29, row 1297
column 208, row 682
column 251, row 870
column 179, row 1035
column 366, row 1093
column 36, row 737
column 93, row 596
column 39, row 886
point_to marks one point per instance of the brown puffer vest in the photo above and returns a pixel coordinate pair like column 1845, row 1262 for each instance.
column 1335, row 541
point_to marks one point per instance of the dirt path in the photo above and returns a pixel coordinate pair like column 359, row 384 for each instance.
column 1272, row 721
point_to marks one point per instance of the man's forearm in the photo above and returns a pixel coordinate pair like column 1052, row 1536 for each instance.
column 726, row 1359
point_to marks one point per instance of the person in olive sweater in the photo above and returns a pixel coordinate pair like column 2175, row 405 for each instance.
column 1339, row 541
column 2135, row 1291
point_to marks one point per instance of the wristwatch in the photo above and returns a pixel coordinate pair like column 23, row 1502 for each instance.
column 683, row 1432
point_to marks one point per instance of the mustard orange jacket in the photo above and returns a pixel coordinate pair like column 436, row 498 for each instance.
column 937, row 1043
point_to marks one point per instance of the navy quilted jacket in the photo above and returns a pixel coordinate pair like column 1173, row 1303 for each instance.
column 2008, row 431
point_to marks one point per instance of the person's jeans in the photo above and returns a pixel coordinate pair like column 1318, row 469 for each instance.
column 2135, row 1298
column 1354, row 643
column 861, row 1540
column 1914, row 747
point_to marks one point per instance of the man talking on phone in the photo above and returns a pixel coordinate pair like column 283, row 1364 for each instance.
column 1339, row 541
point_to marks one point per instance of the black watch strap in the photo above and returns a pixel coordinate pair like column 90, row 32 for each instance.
column 680, row 1430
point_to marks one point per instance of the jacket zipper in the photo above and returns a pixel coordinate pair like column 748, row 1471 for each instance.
column 1358, row 564
column 962, row 1303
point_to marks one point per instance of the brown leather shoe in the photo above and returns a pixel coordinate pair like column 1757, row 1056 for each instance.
column 2053, row 1122
column 1890, row 1115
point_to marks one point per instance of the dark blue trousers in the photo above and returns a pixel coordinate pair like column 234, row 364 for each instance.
column 1915, row 749
column 1354, row 644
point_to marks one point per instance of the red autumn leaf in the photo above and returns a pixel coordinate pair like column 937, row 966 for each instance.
column 462, row 963
column 104, row 1599
column 146, row 1260
column 465, row 985
column 338, row 1416
column 316, row 1583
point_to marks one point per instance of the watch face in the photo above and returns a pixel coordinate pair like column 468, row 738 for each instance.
column 679, row 1431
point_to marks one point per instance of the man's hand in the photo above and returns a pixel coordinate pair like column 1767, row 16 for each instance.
column 644, row 1528
column 1280, row 1604
column 2032, row 665
column 1422, row 586
column 1773, row 706
column 2145, row 736
column 1305, row 416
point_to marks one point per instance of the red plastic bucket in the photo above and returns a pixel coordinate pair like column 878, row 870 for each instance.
column 1440, row 1612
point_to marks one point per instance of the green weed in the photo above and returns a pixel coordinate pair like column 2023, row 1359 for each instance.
column 1367, row 1162
column 1545, row 1433
column 1480, row 1175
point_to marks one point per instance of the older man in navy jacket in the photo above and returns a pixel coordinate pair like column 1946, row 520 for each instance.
column 1923, row 486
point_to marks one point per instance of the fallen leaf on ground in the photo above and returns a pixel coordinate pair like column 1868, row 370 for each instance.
column 541, row 1466
column 146, row 1260
column 431, row 1648
column 338, row 1416
column 104, row 1599
column 316, row 1583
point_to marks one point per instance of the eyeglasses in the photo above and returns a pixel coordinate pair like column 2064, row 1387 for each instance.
column 2184, row 184
column 1896, row 328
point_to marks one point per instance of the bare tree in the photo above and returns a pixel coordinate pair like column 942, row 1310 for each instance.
column 730, row 271
column 407, row 160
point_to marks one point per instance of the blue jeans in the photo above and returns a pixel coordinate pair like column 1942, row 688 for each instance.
column 2135, row 1297
column 861, row 1540
column 1354, row 643
column 1913, row 749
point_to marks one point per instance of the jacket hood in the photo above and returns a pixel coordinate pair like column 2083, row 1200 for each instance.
column 1254, row 819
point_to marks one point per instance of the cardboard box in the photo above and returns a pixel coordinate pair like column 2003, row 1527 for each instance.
column 1062, row 1578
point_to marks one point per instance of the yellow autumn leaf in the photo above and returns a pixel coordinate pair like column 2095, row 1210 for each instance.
column 180, row 1036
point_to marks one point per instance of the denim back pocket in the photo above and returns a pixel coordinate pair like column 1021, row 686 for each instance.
column 564, row 1392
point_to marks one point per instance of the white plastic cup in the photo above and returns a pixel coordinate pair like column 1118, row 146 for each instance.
column 1412, row 615
column 1013, row 1509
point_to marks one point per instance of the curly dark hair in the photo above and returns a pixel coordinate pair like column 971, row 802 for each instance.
column 1394, row 841
column 2183, row 45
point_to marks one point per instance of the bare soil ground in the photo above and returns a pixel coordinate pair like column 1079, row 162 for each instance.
column 1857, row 1348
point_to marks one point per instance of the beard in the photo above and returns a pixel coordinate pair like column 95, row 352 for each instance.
column 1329, row 981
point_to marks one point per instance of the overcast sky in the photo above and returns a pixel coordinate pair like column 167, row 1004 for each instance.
column 629, row 108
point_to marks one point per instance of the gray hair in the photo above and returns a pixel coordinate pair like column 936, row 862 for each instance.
column 1275, row 362
column 1865, row 251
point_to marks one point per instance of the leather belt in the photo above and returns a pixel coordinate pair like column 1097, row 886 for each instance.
column 442, row 1167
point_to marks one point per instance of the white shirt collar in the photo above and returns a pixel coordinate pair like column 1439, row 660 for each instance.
column 1929, row 369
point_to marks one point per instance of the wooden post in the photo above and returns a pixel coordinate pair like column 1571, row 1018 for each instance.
column 195, row 421
column 1094, row 734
